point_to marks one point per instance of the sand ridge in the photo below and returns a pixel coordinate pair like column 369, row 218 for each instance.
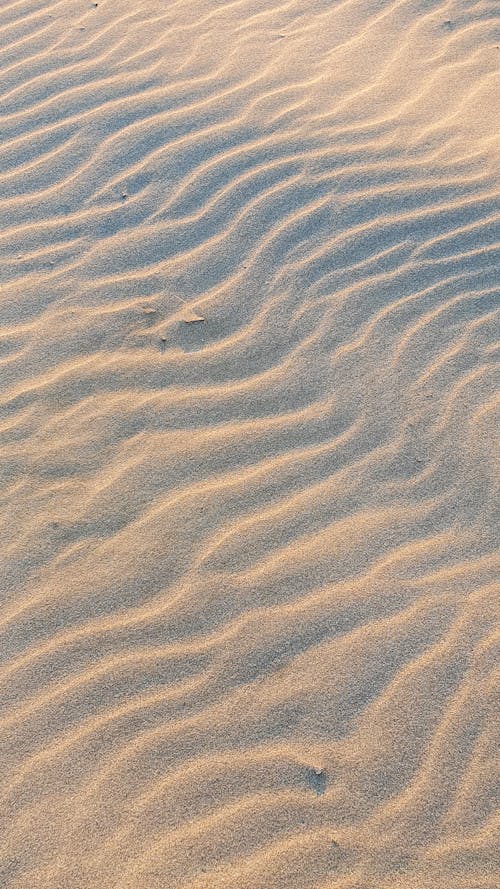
column 249, row 317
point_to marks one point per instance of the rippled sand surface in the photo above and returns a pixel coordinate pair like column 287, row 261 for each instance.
column 249, row 343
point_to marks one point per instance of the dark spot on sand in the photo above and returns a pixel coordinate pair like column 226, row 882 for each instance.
column 335, row 853
column 316, row 779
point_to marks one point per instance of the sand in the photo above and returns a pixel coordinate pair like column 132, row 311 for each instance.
column 249, row 346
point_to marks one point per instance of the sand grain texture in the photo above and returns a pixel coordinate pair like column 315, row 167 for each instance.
column 249, row 318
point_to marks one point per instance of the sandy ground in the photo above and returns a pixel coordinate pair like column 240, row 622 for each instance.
column 249, row 342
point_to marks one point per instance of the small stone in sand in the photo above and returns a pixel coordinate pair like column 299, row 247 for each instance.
column 194, row 320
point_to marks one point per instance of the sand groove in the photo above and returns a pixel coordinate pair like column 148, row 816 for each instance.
column 249, row 320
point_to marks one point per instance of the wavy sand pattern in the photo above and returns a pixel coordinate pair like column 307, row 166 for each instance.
column 250, row 569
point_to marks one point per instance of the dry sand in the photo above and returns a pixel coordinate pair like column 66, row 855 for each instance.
column 249, row 404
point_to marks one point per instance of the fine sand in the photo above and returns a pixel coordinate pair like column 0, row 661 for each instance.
column 249, row 347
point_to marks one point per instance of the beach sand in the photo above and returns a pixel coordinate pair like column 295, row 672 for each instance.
column 249, row 347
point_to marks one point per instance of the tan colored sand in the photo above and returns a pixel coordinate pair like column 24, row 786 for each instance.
column 249, row 324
